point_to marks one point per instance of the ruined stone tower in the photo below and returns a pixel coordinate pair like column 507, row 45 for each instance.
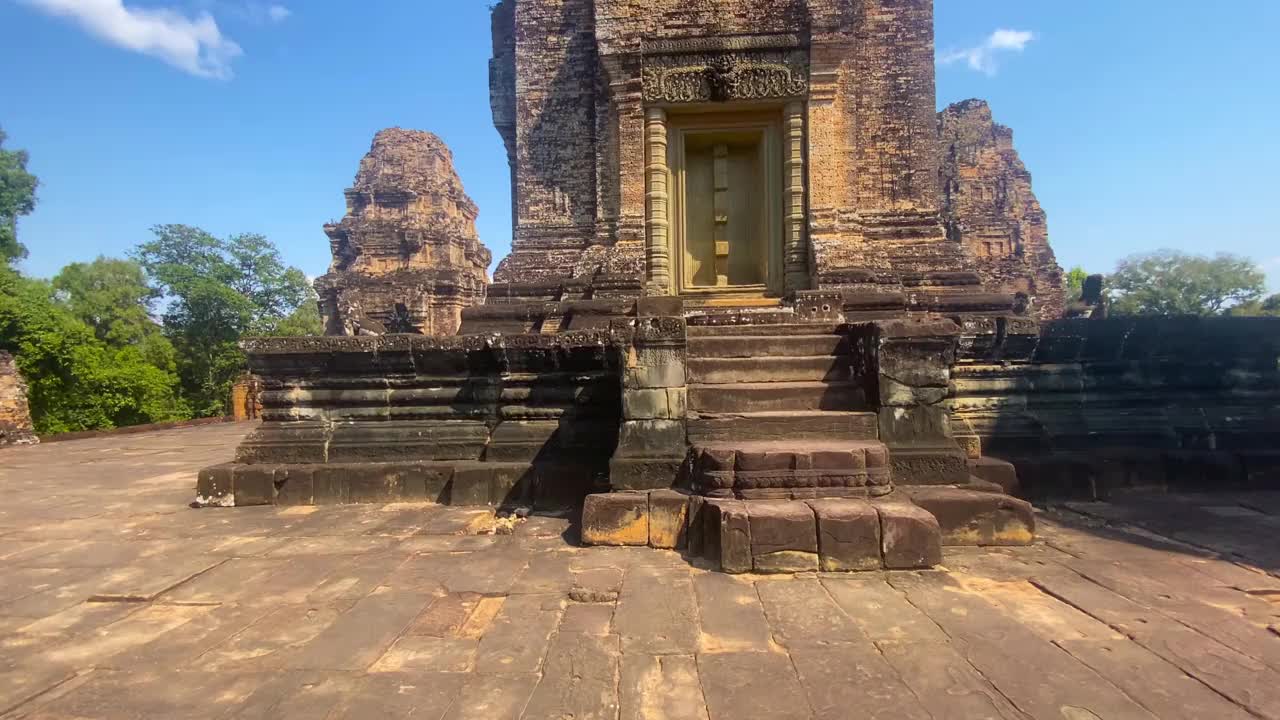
column 406, row 257
column 989, row 207
column 15, row 415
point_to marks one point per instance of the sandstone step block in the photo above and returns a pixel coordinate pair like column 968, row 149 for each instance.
column 765, row 369
column 784, row 537
column 809, row 425
column 616, row 519
column 848, row 535
column 777, row 396
column 727, row 535
column 791, row 469
column 910, row 537
column 973, row 518
column 1000, row 472
column 735, row 346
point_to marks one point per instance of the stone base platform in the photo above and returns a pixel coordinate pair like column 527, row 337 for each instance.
column 901, row 531
column 543, row 486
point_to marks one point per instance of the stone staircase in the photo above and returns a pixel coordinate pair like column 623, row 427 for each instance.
column 775, row 382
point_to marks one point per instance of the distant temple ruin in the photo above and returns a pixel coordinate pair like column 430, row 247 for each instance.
column 763, row 305
column 989, row 208
column 406, row 258
column 15, row 414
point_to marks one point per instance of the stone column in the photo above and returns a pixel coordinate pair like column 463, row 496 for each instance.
column 657, row 195
column 795, row 249
column 652, row 442
column 913, row 367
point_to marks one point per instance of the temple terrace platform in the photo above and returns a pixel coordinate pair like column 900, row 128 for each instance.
column 119, row 601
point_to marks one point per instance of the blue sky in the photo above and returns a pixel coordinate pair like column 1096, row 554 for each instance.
column 1145, row 123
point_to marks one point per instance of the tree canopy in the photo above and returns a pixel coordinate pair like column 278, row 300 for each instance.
column 1167, row 282
column 17, row 198
column 216, row 291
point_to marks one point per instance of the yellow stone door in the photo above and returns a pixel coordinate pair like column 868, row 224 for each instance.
column 726, row 228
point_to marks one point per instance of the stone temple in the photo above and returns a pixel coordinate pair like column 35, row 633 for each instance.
column 764, row 304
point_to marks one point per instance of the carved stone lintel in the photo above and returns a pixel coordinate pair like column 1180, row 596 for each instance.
column 726, row 75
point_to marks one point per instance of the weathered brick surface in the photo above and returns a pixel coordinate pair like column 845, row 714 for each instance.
column 989, row 207
column 406, row 257
column 569, row 97
column 15, row 415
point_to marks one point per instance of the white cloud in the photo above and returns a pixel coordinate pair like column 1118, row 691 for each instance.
column 192, row 44
column 983, row 56
column 278, row 13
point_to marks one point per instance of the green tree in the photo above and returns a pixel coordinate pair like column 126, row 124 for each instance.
column 76, row 381
column 1168, row 282
column 1269, row 307
column 217, row 291
column 1073, row 284
column 17, row 198
column 303, row 322
column 111, row 296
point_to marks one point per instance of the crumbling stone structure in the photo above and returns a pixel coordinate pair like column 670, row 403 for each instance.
column 15, row 415
column 406, row 257
column 988, row 207
column 732, row 321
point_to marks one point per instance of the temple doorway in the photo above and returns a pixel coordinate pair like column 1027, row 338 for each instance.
column 727, row 227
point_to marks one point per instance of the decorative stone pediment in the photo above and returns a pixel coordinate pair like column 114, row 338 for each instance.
column 725, row 73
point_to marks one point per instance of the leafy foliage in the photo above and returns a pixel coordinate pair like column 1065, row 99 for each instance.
column 111, row 296
column 17, row 198
column 1259, row 308
column 1073, row 286
column 76, row 381
column 217, row 291
column 1167, row 282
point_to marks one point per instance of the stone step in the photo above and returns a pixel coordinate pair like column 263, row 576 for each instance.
column 791, row 469
column 776, row 330
column 976, row 518
column 777, row 397
column 750, row 346
column 814, row 424
column 720, row 371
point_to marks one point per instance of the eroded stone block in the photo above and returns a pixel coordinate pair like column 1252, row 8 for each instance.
column 968, row 517
column 784, row 538
column 668, row 519
column 727, row 535
column 620, row 518
column 910, row 537
column 848, row 535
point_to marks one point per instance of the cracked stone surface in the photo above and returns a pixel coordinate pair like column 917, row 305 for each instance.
column 119, row 601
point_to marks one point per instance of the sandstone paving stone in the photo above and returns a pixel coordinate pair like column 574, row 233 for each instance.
column 445, row 616
column 660, row 686
column 116, row 695
column 183, row 646
column 489, row 573
column 73, row 621
column 421, row 653
column 880, row 611
column 948, row 687
column 487, row 696
column 848, row 675
column 1038, row 677
column 359, row 636
column 732, row 685
column 267, row 644
column 657, row 613
column 457, row 521
column 517, row 639
column 332, row 545
column 579, row 679
column 352, row 580
column 451, row 543
column 1242, row 679
column 801, row 612
column 546, row 573
column 99, row 647
column 1169, row 693
column 732, row 617
column 417, row 695
column 596, row 585
column 589, row 618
